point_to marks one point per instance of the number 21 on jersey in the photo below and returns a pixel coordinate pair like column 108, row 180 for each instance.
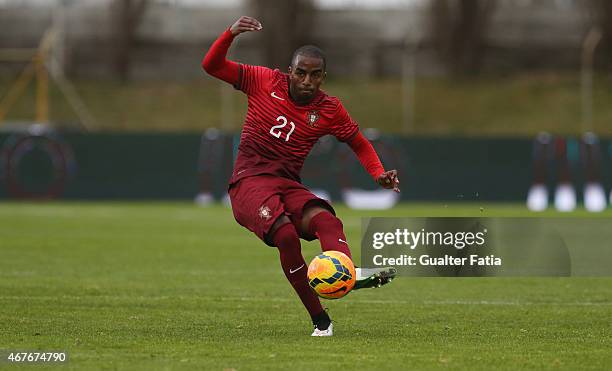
column 276, row 129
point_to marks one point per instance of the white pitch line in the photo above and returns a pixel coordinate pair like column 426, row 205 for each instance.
column 510, row 303
column 434, row 302
column 288, row 299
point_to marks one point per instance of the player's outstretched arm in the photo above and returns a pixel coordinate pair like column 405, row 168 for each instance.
column 370, row 161
column 215, row 61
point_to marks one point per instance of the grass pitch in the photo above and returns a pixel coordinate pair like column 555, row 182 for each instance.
column 174, row 286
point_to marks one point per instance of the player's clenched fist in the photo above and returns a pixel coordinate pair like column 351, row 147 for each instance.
column 245, row 24
column 389, row 180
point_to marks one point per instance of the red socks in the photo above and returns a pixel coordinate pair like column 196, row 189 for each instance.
column 288, row 243
column 328, row 230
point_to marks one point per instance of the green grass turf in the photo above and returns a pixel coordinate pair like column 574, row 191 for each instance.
column 174, row 286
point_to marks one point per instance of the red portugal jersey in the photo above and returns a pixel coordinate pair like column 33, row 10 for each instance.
column 278, row 134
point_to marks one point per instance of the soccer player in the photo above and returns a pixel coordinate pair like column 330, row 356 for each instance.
column 287, row 114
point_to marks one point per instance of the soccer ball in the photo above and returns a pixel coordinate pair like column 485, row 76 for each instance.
column 331, row 275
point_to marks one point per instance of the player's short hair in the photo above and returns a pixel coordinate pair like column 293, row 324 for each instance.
column 310, row 51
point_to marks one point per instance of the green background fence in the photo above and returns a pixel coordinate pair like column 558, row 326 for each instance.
column 178, row 166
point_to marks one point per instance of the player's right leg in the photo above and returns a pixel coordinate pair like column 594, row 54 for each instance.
column 257, row 205
column 286, row 239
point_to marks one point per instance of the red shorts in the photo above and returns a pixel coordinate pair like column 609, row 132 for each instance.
column 257, row 201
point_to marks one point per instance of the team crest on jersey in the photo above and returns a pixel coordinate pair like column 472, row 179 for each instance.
column 265, row 212
column 313, row 117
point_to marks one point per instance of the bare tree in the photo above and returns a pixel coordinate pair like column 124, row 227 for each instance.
column 287, row 25
column 459, row 29
column 126, row 16
column 601, row 16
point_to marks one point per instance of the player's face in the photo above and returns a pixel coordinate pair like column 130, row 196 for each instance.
column 305, row 77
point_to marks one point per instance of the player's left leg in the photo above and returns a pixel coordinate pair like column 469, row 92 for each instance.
column 314, row 218
column 318, row 221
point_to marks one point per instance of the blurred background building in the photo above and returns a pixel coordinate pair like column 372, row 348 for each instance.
column 364, row 38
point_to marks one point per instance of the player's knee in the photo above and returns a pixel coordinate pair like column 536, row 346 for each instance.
column 286, row 237
column 314, row 208
column 334, row 221
column 325, row 221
